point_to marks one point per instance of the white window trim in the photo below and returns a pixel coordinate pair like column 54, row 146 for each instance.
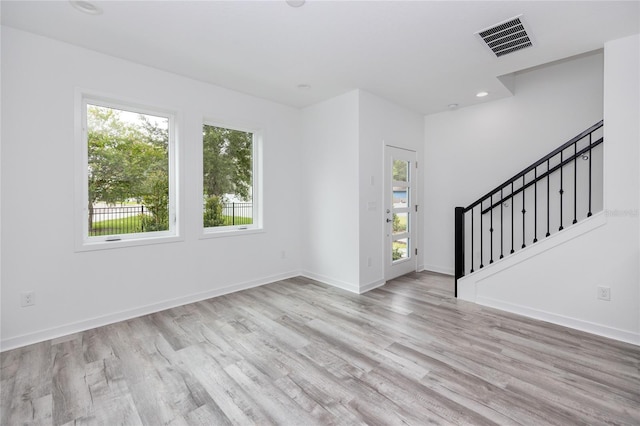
column 82, row 240
column 257, row 226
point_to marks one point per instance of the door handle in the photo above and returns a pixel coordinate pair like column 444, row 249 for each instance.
column 388, row 220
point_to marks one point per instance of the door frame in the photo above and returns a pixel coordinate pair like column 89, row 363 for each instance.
column 395, row 269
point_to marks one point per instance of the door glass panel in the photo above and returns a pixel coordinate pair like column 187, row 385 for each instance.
column 400, row 223
column 400, row 171
column 399, row 215
column 400, row 199
column 400, row 196
column 400, row 249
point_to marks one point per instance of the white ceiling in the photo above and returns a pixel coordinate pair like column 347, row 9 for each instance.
column 420, row 54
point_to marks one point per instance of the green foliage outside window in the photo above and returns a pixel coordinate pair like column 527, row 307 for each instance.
column 399, row 225
column 128, row 158
column 227, row 160
column 213, row 212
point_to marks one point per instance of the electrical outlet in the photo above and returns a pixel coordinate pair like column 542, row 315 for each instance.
column 27, row 298
column 604, row 293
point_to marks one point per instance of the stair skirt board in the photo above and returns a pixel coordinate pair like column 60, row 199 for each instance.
column 469, row 285
column 597, row 220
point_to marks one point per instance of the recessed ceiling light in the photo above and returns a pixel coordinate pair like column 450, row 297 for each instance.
column 304, row 86
column 295, row 3
column 86, row 7
column 482, row 94
column 452, row 106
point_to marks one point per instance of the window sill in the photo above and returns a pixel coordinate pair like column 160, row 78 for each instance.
column 222, row 233
column 133, row 242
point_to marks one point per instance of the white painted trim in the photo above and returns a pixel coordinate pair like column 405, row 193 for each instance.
column 467, row 285
column 353, row 288
column 575, row 323
column 372, row 285
column 393, row 269
column 82, row 240
column 439, row 269
column 55, row 332
column 229, row 232
column 344, row 285
column 257, row 226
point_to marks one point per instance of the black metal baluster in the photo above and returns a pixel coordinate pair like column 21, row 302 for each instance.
column 535, row 205
column 523, row 188
column 501, row 225
column 481, row 237
column 472, row 256
column 459, row 246
column 523, row 213
column 575, row 183
column 548, row 204
column 561, row 191
column 589, row 213
column 491, row 230
column 512, row 217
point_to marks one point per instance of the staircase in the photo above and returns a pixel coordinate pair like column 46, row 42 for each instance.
column 557, row 191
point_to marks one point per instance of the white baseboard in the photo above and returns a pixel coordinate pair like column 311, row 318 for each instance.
column 439, row 269
column 470, row 287
column 578, row 324
column 351, row 287
column 59, row 331
column 343, row 285
column 372, row 285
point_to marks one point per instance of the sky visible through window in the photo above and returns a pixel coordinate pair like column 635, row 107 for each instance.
column 128, row 171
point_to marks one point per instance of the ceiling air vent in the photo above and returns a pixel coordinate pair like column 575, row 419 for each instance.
column 506, row 37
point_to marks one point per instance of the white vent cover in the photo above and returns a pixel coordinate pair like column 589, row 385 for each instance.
column 506, row 37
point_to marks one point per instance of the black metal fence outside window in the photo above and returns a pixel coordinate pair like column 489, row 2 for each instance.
column 117, row 220
column 237, row 213
column 128, row 219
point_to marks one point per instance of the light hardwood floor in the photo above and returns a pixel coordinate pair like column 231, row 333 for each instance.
column 297, row 352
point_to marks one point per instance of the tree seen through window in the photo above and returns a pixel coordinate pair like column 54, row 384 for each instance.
column 227, row 177
column 128, row 171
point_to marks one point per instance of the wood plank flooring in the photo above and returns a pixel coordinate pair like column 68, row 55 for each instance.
column 297, row 352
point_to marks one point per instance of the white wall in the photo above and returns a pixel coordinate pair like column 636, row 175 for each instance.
column 330, row 199
column 317, row 165
column 77, row 290
column 382, row 123
column 621, row 250
column 560, row 284
column 470, row 151
column 343, row 143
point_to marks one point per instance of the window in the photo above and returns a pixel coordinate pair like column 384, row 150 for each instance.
column 229, row 179
column 129, row 173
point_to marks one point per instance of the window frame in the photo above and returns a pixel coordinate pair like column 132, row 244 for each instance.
column 84, row 242
column 256, row 180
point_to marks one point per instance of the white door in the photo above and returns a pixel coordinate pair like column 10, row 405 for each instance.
column 401, row 208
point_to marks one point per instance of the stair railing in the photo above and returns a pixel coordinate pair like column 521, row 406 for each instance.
column 554, row 190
